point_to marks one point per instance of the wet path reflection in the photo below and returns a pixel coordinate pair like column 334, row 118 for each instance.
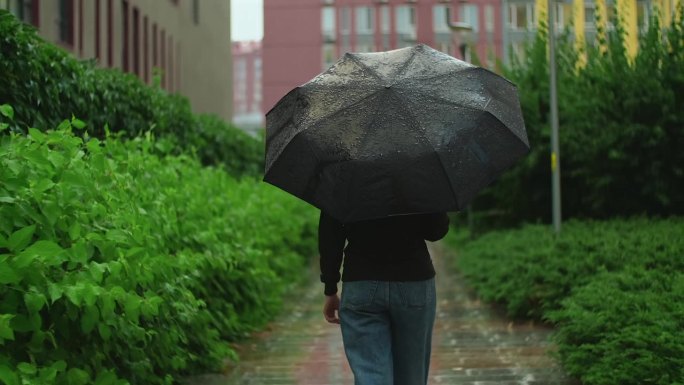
column 472, row 344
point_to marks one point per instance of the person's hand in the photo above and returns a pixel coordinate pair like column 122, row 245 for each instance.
column 331, row 308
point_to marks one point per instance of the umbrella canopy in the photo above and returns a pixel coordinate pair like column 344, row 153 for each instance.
column 406, row 131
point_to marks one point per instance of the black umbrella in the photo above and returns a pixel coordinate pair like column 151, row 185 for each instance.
column 406, row 131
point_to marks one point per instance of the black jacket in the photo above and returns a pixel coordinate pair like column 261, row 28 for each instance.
column 388, row 249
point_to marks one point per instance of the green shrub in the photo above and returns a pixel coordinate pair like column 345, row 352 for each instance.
column 624, row 328
column 120, row 262
column 612, row 289
column 44, row 84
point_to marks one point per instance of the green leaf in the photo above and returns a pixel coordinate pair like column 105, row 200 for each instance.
column 8, row 275
column 7, row 376
column 47, row 251
column 75, row 293
column 89, row 319
column 21, row 238
column 74, row 231
column 27, row 368
column 55, row 292
column 77, row 376
column 37, row 135
column 49, row 374
column 3, row 126
column 97, row 271
column 34, row 301
column 132, row 307
column 106, row 378
column 107, row 305
column 7, row 111
column 79, row 252
column 104, row 330
column 6, row 331
column 7, row 200
column 90, row 293
column 64, row 125
column 43, row 185
column 77, row 123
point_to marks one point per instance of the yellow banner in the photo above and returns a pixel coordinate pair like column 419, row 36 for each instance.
column 627, row 14
column 578, row 19
column 601, row 20
column 540, row 13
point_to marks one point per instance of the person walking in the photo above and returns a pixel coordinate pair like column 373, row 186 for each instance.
column 387, row 307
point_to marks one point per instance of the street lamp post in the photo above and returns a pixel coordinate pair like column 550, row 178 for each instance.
column 555, row 151
column 459, row 27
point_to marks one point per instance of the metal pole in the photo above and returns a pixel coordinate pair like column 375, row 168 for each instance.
column 555, row 152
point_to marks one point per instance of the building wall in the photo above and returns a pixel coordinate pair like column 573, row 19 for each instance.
column 304, row 37
column 291, row 46
column 192, row 41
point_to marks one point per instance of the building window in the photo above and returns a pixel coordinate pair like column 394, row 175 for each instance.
column 440, row 13
column 155, row 46
column 25, row 10
column 80, row 27
column 124, row 47
column 66, row 21
column 489, row 18
column 171, row 75
column 385, row 22
column 195, row 11
column 469, row 15
column 345, row 20
column 406, row 24
column 643, row 15
column 136, row 41
column 589, row 17
column 162, row 56
column 521, row 16
column 98, row 54
column 328, row 24
column 146, row 50
column 241, row 85
column 110, row 33
column 385, row 27
column 365, row 20
column 560, row 16
column 256, row 99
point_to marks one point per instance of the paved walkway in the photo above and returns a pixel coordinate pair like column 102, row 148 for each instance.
column 472, row 345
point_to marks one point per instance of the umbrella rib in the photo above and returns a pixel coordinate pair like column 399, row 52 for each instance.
column 332, row 114
column 483, row 109
column 406, row 64
column 364, row 67
column 441, row 164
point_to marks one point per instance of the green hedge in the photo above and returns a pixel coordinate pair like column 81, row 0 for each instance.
column 44, row 83
column 613, row 289
column 120, row 265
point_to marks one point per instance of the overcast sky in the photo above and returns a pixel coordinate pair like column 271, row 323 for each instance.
column 247, row 20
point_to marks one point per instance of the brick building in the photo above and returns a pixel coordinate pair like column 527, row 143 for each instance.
column 188, row 40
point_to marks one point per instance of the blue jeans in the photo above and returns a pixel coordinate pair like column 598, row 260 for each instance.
column 387, row 330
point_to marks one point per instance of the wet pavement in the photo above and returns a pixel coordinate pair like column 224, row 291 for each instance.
column 473, row 344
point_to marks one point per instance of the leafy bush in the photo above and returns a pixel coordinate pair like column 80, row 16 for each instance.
column 44, row 83
column 624, row 328
column 613, row 290
column 620, row 131
column 123, row 263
